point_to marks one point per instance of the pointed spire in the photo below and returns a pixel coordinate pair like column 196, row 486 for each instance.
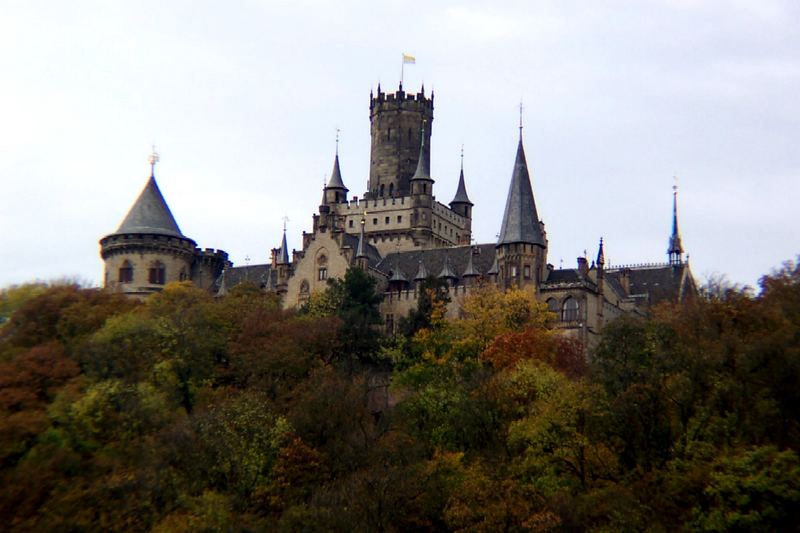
column 675, row 249
column 520, row 219
column 423, row 171
column 361, row 250
column 601, row 256
column 336, row 175
column 150, row 212
column 398, row 276
column 422, row 272
column 447, row 272
column 470, row 271
column 461, row 192
column 283, row 251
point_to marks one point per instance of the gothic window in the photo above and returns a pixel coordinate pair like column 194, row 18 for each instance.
column 552, row 305
column 157, row 273
column 382, row 190
column 304, row 287
column 513, row 271
column 322, row 274
column 126, row 272
column 570, row 311
column 391, row 189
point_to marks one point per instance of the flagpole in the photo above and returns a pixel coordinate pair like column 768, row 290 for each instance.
column 402, row 69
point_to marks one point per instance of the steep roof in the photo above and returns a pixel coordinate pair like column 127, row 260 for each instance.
column 433, row 261
column 150, row 214
column 336, row 176
column 283, row 251
column 520, row 219
column 262, row 275
column 656, row 284
column 461, row 192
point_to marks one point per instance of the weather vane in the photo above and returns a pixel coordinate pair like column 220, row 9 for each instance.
column 285, row 220
column 521, row 107
column 337, row 140
column 153, row 159
column 674, row 183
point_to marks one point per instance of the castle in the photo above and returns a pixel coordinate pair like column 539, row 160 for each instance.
column 401, row 235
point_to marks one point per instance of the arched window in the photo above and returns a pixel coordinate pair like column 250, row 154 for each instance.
column 570, row 311
column 391, row 189
column 552, row 305
column 157, row 273
column 382, row 190
column 304, row 287
column 126, row 272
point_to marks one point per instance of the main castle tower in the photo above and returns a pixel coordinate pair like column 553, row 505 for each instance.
column 395, row 124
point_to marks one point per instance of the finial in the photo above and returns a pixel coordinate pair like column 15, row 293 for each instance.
column 153, row 159
column 337, row 141
column 285, row 220
column 521, row 107
column 462, row 157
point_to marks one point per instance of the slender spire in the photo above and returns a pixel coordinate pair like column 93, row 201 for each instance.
column 150, row 212
column 675, row 249
column 461, row 192
column 601, row 256
column 423, row 171
column 335, row 182
column 520, row 219
column 283, row 252
column 361, row 251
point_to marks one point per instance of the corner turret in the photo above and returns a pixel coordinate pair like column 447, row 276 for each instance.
column 521, row 247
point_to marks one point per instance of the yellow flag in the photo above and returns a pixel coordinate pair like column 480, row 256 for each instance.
column 407, row 59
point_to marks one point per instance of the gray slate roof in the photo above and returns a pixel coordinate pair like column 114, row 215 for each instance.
column 657, row 284
column 261, row 275
column 520, row 219
column 336, row 176
column 433, row 261
column 150, row 214
column 283, row 251
column 461, row 192
column 369, row 250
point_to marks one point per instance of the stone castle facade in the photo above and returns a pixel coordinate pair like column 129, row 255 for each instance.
column 400, row 234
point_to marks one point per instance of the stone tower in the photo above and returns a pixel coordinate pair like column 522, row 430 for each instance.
column 462, row 205
column 395, row 122
column 148, row 249
column 522, row 246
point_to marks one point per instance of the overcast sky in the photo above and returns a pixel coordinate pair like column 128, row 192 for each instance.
column 243, row 99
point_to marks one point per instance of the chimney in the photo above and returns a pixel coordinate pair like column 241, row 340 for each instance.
column 583, row 266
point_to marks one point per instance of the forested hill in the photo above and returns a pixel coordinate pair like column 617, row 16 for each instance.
column 189, row 413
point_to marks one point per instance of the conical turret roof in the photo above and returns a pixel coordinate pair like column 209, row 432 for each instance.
column 470, row 271
column 336, row 176
column 422, row 272
column 461, row 192
column 520, row 220
column 447, row 272
column 423, row 171
column 495, row 269
column 150, row 214
column 283, row 251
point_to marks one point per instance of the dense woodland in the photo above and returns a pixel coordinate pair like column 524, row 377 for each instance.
column 188, row 413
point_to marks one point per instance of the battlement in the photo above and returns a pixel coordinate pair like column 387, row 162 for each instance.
column 211, row 255
column 400, row 99
column 131, row 242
